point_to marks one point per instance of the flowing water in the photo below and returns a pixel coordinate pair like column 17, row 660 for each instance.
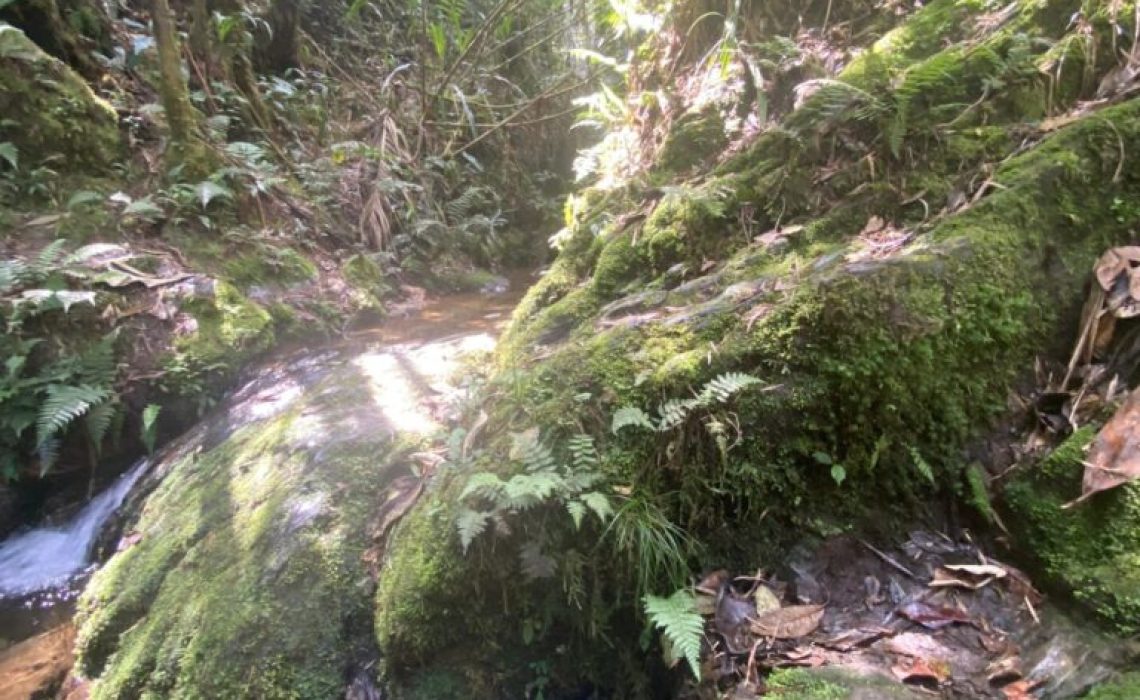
column 49, row 557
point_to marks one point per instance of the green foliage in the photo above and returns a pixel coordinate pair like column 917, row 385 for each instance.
column 675, row 412
column 543, row 479
column 45, row 385
column 148, row 430
column 680, row 623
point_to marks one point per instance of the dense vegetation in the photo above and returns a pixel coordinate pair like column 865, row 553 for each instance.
column 809, row 251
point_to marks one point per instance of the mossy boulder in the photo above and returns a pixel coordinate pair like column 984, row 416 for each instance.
column 244, row 576
column 1090, row 550
column 50, row 111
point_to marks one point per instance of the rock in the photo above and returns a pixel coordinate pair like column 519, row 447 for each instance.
column 247, row 579
column 50, row 110
column 37, row 667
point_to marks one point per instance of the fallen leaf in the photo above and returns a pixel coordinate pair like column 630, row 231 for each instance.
column 1004, row 671
column 1113, row 262
column 969, row 576
column 854, row 638
column 921, row 672
column 766, row 600
column 1114, row 458
column 791, row 622
column 932, row 616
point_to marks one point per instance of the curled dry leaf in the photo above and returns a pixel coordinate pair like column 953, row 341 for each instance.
column 1114, row 458
column 791, row 622
column 969, row 576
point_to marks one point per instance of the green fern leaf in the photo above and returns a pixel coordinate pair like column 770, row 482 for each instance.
column 97, row 421
column 678, row 619
column 674, row 412
column 631, row 415
column 577, row 510
column 599, row 503
column 583, row 454
column 483, row 484
column 65, row 404
column 470, row 524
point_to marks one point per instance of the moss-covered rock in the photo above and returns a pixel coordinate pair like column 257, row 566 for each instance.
column 1091, row 550
column 246, row 579
column 50, row 111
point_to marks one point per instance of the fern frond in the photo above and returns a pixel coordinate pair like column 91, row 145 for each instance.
column 583, row 455
column 483, row 484
column 631, row 416
column 678, row 619
column 674, row 412
column 599, row 503
column 525, row 490
column 63, row 405
column 577, row 511
column 470, row 524
column 528, row 449
column 721, row 388
column 48, row 260
column 97, row 421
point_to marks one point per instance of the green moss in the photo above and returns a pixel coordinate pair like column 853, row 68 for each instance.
column 1091, row 550
column 830, row 684
column 693, row 138
column 50, row 111
column 268, row 265
column 1127, row 687
column 247, row 580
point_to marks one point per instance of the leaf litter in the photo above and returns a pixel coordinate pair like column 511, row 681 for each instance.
column 956, row 626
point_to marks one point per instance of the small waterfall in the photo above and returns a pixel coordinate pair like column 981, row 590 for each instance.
column 47, row 557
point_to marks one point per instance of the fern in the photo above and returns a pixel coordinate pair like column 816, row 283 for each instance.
column 631, row 416
column 720, row 389
column 471, row 524
column 599, row 503
column 63, row 406
column 98, row 421
column 582, row 453
column 680, row 623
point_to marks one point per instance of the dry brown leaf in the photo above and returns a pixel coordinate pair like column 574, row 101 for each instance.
column 791, row 622
column 1019, row 690
column 1114, row 458
column 1113, row 262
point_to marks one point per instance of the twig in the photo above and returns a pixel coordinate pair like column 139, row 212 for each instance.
column 889, row 560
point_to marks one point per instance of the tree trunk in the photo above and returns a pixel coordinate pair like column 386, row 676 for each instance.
column 236, row 49
column 172, row 87
column 279, row 48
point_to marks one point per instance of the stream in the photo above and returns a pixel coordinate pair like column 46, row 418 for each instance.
column 409, row 361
